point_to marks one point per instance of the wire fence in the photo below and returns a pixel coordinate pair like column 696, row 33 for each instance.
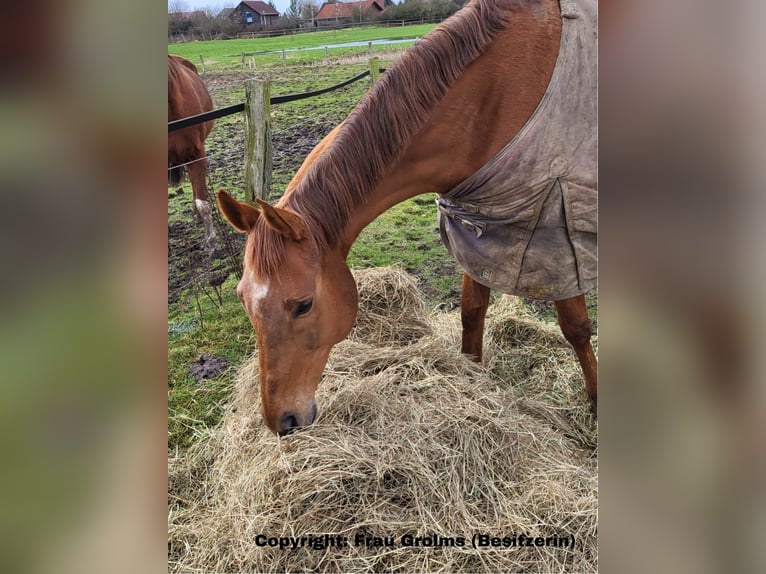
column 240, row 107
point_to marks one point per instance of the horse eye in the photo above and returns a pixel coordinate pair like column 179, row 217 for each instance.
column 303, row 308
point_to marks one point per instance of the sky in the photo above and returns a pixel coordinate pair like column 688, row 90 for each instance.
column 218, row 5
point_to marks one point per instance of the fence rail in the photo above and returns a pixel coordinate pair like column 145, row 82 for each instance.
column 205, row 117
column 237, row 108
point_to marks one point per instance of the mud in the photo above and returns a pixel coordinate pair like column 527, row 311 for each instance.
column 207, row 367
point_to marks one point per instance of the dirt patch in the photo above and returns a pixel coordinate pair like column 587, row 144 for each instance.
column 191, row 266
column 207, row 367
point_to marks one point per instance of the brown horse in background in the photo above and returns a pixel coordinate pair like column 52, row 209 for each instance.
column 465, row 92
column 188, row 96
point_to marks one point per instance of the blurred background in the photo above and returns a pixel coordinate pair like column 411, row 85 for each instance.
column 83, row 316
column 681, row 254
column 83, row 266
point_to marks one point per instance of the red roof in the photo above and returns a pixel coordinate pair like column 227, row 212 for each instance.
column 261, row 8
column 346, row 9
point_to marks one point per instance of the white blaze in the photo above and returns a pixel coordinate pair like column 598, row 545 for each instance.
column 259, row 292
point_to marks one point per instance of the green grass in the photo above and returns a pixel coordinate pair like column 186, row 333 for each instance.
column 227, row 52
column 200, row 324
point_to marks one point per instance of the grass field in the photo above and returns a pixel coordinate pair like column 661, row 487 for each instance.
column 228, row 52
column 200, row 322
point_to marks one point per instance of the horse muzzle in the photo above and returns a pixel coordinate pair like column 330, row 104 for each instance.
column 291, row 421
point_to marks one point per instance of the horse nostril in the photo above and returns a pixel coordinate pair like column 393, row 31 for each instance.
column 313, row 413
column 287, row 424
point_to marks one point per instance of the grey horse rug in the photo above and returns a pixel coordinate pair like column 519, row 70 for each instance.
column 526, row 222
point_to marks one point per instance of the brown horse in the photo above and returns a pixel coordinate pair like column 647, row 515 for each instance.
column 442, row 112
column 188, row 96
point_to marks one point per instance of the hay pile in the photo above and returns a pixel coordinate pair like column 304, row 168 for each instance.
column 411, row 439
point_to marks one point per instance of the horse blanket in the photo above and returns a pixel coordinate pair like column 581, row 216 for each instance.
column 526, row 222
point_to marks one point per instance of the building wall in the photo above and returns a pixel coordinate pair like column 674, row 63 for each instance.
column 257, row 20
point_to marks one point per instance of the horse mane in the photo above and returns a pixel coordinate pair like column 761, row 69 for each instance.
column 380, row 127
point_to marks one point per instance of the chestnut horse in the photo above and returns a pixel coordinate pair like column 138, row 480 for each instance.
column 436, row 117
column 188, row 96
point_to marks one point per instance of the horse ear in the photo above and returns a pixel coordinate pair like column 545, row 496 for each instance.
column 242, row 216
column 286, row 222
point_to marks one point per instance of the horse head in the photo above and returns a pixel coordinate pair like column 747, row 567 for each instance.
column 301, row 300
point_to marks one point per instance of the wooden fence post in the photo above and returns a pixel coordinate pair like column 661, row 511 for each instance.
column 258, row 150
column 374, row 70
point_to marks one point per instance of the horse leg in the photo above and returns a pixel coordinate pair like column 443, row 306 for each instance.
column 576, row 327
column 202, row 206
column 473, row 308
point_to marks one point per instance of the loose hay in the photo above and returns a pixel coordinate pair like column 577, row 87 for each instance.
column 394, row 311
column 411, row 439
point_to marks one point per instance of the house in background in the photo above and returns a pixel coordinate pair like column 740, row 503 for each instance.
column 333, row 13
column 254, row 14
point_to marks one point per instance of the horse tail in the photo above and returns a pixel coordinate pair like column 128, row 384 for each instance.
column 175, row 175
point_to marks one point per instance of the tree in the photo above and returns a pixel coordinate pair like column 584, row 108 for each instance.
column 292, row 15
column 293, row 11
column 309, row 10
column 178, row 19
column 204, row 23
column 177, row 7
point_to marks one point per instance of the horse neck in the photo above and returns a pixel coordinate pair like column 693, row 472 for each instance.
column 481, row 113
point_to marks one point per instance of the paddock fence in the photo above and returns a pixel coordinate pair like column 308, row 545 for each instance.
column 258, row 134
